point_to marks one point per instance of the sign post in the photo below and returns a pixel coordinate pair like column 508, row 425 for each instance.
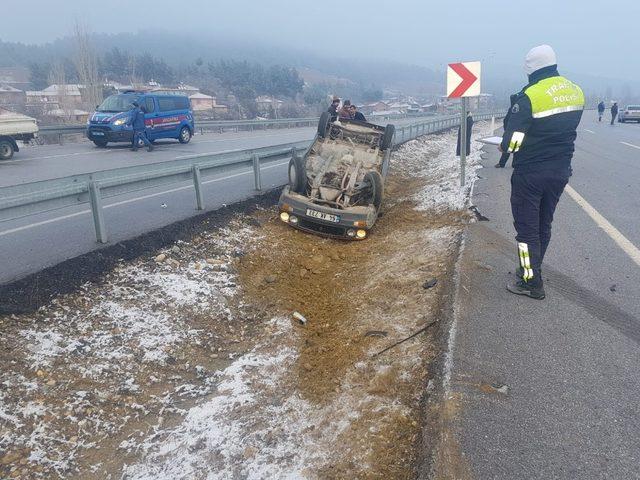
column 463, row 81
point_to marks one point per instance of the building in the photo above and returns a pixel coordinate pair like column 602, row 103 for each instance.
column 267, row 105
column 55, row 95
column 11, row 97
column 70, row 115
column 374, row 108
column 204, row 102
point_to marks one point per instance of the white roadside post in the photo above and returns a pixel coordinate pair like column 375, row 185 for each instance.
column 463, row 81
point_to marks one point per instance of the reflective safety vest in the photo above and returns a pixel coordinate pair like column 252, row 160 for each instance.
column 541, row 128
column 554, row 95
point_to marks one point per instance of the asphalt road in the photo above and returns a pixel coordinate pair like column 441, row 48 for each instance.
column 549, row 389
column 53, row 161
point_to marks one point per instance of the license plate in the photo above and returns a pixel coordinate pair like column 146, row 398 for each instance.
column 323, row 216
column 97, row 134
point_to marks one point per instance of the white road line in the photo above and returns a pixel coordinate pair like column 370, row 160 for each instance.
column 131, row 200
column 92, row 152
column 629, row 248
column 630, row 145
column 587, row 130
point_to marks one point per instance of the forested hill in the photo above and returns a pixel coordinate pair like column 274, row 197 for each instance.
column 179, row 52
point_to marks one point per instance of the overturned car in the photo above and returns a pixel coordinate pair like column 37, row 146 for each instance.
column 336, row 188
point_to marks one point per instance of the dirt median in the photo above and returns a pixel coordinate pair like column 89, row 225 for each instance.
column 188, row 363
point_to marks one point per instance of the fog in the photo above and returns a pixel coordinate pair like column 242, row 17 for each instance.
column 590, row 38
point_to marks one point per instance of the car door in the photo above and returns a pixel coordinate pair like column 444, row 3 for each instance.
column 168, row 121
column 150, row 113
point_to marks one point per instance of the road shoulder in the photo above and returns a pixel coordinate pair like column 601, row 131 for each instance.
column 538, row 389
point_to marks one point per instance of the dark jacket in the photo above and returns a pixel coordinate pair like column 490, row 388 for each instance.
column 469, row 128
column 333, row 111
column 359, row 116
column 548, row 141
column 614, row 110
column 601, row 107
column 137, row 119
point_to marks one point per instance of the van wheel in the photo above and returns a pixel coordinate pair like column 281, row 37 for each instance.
column 297, row 175
column 185, row 135
column 100, row 143
column 323, row 124
column 387, row 138
column 376, row 189
column 6, row 150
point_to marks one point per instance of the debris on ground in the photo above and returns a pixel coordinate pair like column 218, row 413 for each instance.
column 432, row 282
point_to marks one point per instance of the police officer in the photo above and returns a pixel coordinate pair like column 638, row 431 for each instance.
column 540, row 134
column 504, row 158
column 139, row 128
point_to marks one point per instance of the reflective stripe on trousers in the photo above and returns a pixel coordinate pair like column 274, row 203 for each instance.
column 525, row 262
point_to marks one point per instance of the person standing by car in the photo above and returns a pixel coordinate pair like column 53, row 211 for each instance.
column 600, row 110
column 357, row 115
column 345, row 111
column 469, row 127
column 333, row 109
column 541, row 133
column 504, row 158
column 614, row 112
column 139, row 129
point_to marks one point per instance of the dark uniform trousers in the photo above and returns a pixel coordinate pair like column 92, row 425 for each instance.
column 534, row 197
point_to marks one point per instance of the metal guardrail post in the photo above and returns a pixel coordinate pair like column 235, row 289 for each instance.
column 257, row 173
column 197, row 185
column 96, row 209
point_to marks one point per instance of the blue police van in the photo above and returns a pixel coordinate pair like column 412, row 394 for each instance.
column 166, row 116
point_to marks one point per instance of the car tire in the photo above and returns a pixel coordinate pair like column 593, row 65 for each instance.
column 100, row 143
column 386, row 141
column 376, row 189
column 185, row 135
column 297, row 175
column 323, row 124
column 6, row 150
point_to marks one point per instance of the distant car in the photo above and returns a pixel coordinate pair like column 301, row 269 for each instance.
column 631, row 113
column 336, row 188
column 166, row 116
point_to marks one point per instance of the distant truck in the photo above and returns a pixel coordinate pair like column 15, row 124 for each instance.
column 14, row 127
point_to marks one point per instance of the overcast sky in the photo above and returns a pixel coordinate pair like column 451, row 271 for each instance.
column 591, row 37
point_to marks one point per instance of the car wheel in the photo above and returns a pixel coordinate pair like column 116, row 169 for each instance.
column 387, row 138
column 323, row 124
column 6, row 150
column 376, row 190
column 297, row 175
column 100, row 143
column 185, row 135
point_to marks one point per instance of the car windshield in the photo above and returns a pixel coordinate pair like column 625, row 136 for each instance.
column 118, row 103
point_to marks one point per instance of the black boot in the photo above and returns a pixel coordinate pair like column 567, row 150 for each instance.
column 527, row 289
column 149, row 148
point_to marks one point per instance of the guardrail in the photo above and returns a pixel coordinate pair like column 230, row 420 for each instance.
column 18, row 201
column 222, row 125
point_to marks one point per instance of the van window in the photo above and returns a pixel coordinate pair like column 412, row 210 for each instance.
column 148, row 104
column 173, row 103
column 633, row 107
column 166, row 104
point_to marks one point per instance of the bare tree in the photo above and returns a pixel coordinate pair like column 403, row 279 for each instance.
column 86, row 62
column 58, row 79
